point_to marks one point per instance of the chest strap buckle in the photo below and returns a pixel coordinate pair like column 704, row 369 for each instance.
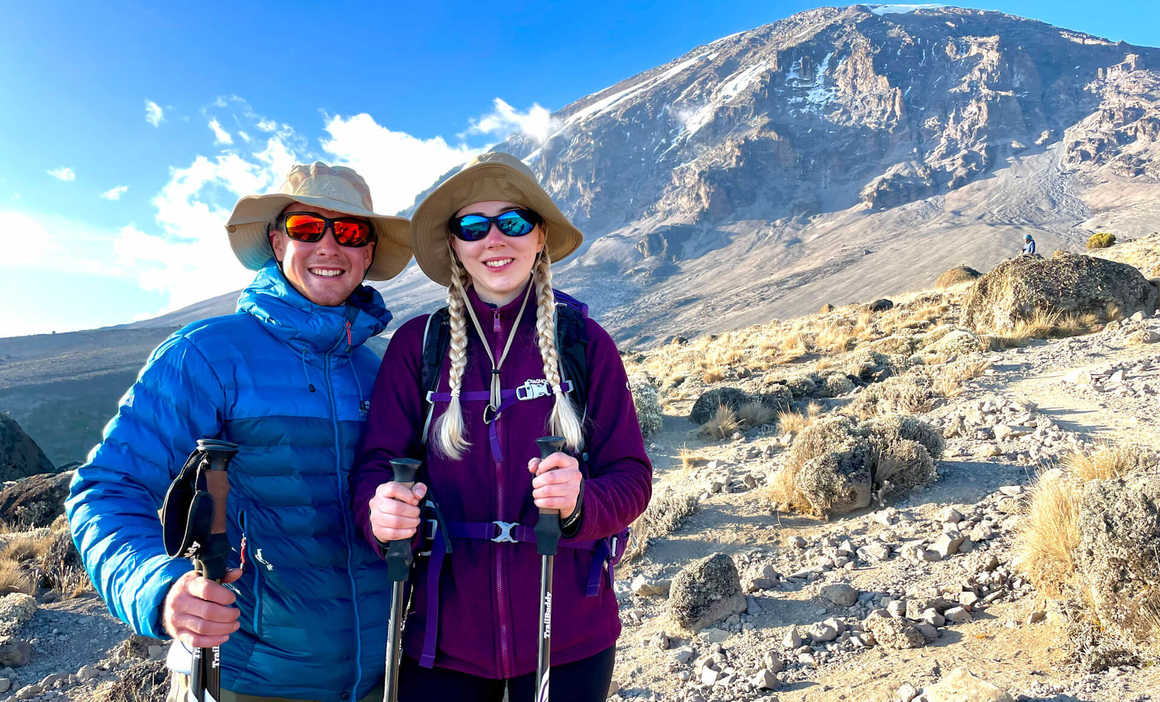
column 504, row 535
column 533, row 389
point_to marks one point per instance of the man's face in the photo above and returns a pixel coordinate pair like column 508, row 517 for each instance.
column 324, row 271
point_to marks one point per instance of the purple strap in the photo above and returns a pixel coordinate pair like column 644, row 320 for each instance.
column 603, row 551
column 507, row 399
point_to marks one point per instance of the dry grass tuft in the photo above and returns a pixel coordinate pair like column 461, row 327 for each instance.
column 721, row 425
column 1108, row 462
column 712, row 375
column 784, row 493
column 690, row 459
column 1049, row 324
column 14, row 578
column 1049, row 535
column 951, row 378
column 790, row 422
column 755, row 414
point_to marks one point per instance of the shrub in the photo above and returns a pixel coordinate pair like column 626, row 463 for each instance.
column 900, row 394
column 755, row 414
column 664, row 514
column 1101, row 240
column 956, row 275
column 646, row 399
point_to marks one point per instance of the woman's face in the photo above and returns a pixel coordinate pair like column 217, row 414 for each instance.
column 498, row 264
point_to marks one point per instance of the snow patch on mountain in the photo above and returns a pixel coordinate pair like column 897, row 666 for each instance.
column 734, row 86
column 902, row 9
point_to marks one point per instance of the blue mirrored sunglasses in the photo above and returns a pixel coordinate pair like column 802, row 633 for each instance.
column 473, row 227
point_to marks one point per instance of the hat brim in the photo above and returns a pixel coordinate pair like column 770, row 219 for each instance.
column 483, row 182
column 247, row 228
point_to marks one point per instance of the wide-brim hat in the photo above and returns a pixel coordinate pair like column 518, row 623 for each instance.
column 334, row 188
column 491, row 176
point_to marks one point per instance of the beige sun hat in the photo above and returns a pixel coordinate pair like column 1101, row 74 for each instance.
column 335, row 188
column 491, row 176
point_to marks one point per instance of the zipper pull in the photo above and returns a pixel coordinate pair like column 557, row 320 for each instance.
column 495, row 322
column 348, row 341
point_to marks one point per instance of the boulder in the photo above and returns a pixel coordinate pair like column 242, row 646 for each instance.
column 15, row 609
column 1117, row 560
column 1015, row 289
column 705, row 592
column 35, row 501
column 777, row 400
column 19, row 454
column 880, row 305
column 961, row 686
column 956, row 275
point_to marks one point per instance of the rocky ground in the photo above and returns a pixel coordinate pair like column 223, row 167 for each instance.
column 917, row 597
column 939, row 561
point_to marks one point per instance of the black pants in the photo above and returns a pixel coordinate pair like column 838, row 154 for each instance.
column 585, row 680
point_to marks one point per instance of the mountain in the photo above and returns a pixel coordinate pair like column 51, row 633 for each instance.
column 838, row 155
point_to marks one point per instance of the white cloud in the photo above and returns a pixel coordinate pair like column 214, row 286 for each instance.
column 504, row 119
column 267, row 125
column 153, row 113
column 396, row 165
column 51, row 243
column 220, row 135
column 245, row 137
column 115, row 193
column 63, row 173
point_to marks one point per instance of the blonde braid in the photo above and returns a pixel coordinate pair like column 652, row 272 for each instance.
column 564, row 420
column 449, row 431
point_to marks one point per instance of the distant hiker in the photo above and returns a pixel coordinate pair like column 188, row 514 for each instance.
column 468, row 390
column 287, row 378
column 1028, row 245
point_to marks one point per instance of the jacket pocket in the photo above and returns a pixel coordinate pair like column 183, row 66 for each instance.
column 253, row 554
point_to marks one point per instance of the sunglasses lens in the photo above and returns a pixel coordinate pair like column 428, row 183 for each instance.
column 302, row 227
column 352, row 232
column 514, row 223
column 472, row 227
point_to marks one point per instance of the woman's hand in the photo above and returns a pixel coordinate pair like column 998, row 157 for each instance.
column 557, row 483
column 199, row 612
column 395, row 510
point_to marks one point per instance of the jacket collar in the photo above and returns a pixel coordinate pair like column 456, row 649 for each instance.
column 307, row 326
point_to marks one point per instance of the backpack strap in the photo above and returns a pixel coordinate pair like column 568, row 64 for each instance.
column 572, row 345
column 436, row 341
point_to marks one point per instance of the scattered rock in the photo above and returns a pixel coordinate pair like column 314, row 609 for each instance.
column 894, row 633
column 35, row 501
column 19, row 454
column 840, row 594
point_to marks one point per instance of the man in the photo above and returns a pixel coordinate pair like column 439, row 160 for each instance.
column 1028, row 245
column 287, row 379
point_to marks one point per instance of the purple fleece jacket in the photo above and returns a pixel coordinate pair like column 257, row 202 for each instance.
column 489, row 592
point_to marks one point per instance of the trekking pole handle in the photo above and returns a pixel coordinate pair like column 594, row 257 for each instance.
column 548, row 526
column 211, row 560
column 399, row 551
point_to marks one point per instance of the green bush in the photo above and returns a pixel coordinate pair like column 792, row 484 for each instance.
column 1101, row 240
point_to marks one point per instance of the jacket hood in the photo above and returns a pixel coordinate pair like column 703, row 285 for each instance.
column 304, row 325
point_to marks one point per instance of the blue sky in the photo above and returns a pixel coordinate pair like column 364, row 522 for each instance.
column 127, row 130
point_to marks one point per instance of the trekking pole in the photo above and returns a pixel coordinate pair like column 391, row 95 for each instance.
column 210, row 560
column 547, row 538
column 398, row 570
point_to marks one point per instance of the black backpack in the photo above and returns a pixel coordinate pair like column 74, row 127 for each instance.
column 571, row 343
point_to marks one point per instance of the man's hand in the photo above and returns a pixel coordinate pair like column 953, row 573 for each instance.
column 199, row 612
column 395, row 510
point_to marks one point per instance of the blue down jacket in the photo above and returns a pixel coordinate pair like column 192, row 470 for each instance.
column 290, row 382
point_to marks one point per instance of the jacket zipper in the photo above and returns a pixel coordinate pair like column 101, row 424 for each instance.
column 345, row 518
column 505, row 651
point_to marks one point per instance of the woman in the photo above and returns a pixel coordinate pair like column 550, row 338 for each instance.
column 507, row 376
